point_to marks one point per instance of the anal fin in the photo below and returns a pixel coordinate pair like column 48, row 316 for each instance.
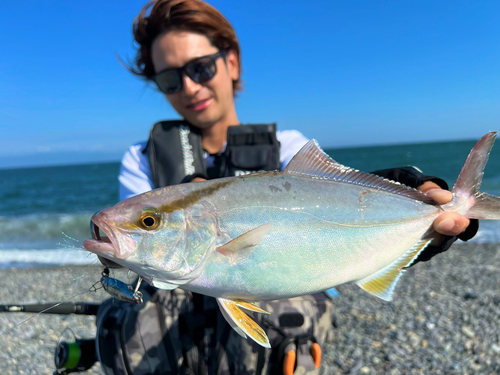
column 241, row 322
column 383, row 282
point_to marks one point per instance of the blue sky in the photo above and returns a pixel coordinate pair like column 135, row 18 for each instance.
column 344, row 72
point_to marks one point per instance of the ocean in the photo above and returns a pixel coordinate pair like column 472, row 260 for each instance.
column 45, row 211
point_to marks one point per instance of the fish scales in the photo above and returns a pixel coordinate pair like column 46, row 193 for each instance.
column 315, row 233
column 272, row 235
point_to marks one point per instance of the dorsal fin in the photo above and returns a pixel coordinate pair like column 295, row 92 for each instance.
column 312, row 161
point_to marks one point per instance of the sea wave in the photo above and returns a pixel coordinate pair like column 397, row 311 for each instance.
column 44, row 230
column 17, row 258
column 489, row 232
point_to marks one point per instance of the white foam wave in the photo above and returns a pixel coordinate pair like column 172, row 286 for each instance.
column 43, row 231
column 14, row 258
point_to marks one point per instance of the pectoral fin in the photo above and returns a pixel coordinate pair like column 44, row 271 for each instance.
column 244, row 242
column 382, row 283
column 241, row 322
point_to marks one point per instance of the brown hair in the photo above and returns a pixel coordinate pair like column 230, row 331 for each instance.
column 195, row 16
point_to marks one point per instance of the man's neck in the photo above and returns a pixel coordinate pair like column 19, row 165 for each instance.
column 214, row 137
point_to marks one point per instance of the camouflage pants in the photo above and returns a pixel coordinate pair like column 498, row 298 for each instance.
column 176, row 332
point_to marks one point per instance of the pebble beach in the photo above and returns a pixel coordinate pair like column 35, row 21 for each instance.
column 444, row 318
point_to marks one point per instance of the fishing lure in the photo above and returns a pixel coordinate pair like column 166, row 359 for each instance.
column 120, row 290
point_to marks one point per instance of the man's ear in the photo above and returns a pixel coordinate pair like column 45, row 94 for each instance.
column 232, row 64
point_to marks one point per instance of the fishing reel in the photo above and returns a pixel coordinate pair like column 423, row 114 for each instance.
column 75, row 354
column 79, row 355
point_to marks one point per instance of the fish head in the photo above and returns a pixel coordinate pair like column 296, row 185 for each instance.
column 157, row 240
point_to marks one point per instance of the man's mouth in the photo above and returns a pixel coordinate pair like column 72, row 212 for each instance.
column 199, row 105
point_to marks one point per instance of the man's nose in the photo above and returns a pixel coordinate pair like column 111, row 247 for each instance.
column 190, row 87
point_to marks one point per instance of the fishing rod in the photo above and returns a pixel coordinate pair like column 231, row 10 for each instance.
column 114, row 287
column 80, row 354
column 76, row 356
column 79, row 308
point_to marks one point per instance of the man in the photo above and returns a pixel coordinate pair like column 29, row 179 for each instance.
column 192, row 54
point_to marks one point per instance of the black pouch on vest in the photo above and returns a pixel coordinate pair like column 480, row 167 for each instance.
column 249, row 149
column 184, row 158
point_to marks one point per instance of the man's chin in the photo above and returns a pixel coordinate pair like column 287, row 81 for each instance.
column 201, row 122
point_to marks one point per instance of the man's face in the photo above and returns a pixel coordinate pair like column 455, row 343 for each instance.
column 202, row 104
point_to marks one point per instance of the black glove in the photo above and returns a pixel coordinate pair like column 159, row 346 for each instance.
column 412, row 177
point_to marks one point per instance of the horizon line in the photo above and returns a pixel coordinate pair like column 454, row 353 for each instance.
column 118, row 160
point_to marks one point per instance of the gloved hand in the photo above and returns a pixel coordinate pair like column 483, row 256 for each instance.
column 449, row 226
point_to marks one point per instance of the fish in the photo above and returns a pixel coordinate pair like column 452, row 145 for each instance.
column 271, row 235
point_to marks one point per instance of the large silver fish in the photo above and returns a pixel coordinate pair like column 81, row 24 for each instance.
column 276, row 235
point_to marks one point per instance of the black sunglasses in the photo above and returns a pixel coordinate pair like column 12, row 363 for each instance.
column 200, row 70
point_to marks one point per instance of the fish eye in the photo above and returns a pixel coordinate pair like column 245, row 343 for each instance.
column 150, row 219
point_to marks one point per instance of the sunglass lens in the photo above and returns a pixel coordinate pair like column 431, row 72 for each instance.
column 169, row 81
column 202, row 70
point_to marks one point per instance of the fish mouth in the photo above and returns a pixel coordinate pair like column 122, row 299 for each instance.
column 104, row 246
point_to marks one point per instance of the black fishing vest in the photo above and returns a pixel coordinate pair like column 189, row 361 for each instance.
column 176, row 155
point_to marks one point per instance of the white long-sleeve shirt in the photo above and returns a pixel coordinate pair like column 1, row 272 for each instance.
column 135, row 173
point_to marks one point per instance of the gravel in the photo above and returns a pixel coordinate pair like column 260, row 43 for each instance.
column 444, row 318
